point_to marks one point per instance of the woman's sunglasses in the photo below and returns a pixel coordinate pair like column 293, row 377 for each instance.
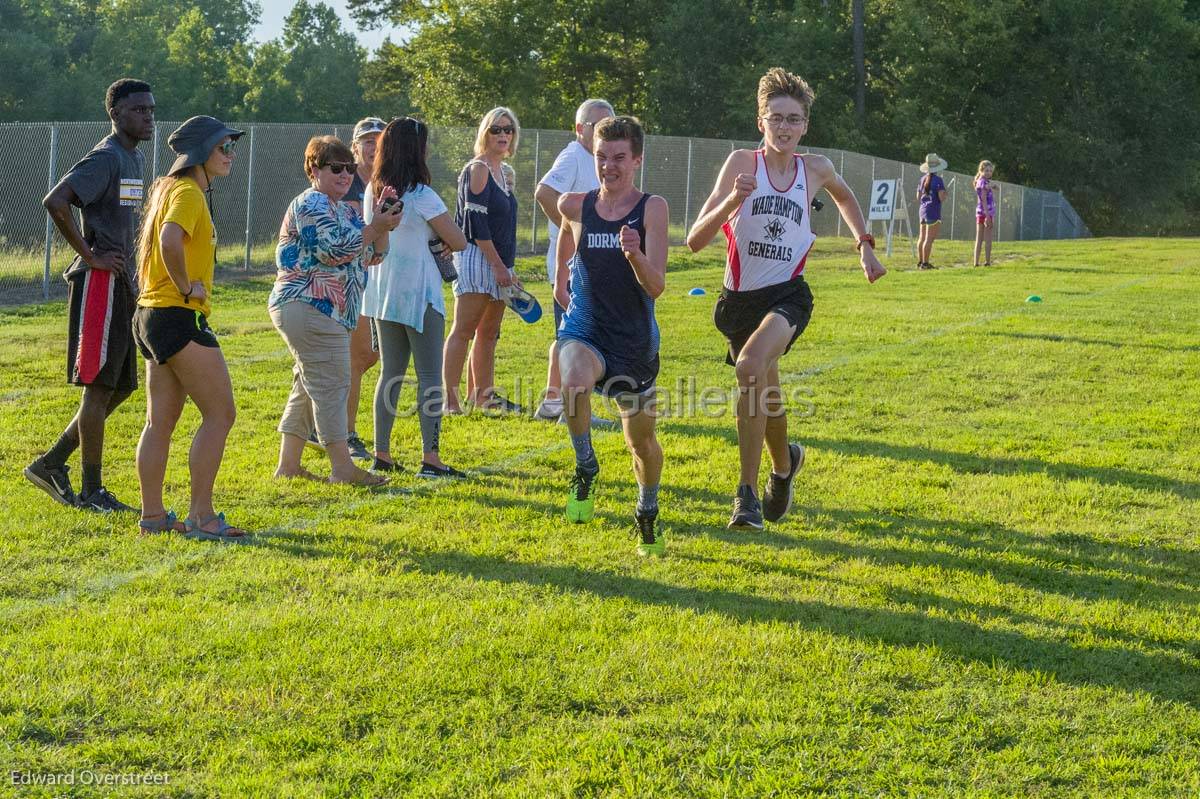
column 226, row 148
column 340, row 167
column 496, row 130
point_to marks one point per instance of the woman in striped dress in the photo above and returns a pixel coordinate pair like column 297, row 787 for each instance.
column 487, row 213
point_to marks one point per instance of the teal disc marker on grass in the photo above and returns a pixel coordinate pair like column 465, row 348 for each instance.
column 1033, row 298
column 697, row 292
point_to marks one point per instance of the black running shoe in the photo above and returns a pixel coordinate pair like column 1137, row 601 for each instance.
column 499, row 404
column 651, row 539
column 777, row 498
column 385, row 466
column 747, row 511
column 358, row 450
column 54, row 480
column 101, row 501
column 429, row 470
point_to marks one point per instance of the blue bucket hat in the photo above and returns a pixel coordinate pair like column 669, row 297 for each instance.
column 195, row 139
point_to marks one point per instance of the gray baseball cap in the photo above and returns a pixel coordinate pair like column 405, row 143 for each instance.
column 367, row 126
column 195, row 139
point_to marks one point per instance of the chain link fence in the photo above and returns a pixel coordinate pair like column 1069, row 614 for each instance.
column 268, row 173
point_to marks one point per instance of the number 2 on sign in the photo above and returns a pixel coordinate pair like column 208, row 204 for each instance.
column 883, row 191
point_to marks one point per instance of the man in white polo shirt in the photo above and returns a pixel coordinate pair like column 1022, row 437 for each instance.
column 574, row 170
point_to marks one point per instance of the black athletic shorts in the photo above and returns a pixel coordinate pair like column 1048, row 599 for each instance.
column 622, row 377
column 100, row 347
column 162, row 332
column 739, row 313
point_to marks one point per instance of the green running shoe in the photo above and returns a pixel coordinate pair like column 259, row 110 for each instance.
column 581, row 505
column 651, row 543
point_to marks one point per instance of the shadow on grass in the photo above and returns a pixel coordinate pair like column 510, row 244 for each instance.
column 969, row 463
column 1095, row 341
column 963, row 462
column 1173, row 676
column 1064, row 564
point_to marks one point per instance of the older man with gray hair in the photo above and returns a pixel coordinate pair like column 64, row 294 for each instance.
column 574, row 170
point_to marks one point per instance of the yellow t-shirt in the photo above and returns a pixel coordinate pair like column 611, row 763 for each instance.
column 185, row 206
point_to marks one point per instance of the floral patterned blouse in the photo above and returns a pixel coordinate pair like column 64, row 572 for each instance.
column 319, row 258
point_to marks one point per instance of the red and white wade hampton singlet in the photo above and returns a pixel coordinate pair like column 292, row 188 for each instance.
column 769, row 236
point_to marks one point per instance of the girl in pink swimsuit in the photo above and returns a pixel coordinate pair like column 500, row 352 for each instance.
column 985, row 212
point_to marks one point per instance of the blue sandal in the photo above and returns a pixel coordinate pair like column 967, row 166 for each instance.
column 169, row 523
column 226, row 533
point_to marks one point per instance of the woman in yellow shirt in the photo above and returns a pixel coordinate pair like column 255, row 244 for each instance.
column 176, row 251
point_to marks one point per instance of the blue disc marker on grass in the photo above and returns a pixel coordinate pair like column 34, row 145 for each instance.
column 697, row 292
column 1033, row 298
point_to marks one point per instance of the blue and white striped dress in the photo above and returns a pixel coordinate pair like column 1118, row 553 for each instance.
column 491, row 216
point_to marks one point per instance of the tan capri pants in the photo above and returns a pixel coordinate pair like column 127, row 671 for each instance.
column 321, row 375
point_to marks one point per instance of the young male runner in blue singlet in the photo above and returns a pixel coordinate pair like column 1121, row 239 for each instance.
column 614, row 245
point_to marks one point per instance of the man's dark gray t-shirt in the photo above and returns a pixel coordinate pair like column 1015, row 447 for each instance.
column 108, row 183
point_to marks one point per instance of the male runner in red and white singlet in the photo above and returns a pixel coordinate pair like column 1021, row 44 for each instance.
column 761, row 202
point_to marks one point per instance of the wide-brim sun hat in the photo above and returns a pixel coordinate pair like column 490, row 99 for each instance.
column 194, row 140
column 933, row 163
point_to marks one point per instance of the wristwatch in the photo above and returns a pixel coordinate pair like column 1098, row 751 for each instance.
column 865, row 238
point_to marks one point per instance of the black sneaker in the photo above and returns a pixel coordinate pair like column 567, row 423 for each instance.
column 651, row 541
column 53, row 480
column 385, row 466
column 499, row 404
column 314, row 442
column 358, row 450
column 429, row 470
column 777, row 498
column 101, row 501
column 747, row 511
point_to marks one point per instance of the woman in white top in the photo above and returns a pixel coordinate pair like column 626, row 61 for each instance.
column 404, row 295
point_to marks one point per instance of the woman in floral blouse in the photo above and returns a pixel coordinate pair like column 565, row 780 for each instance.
column 324, row 249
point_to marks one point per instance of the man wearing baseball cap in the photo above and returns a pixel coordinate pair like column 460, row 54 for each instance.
column 363, row 350
column 107, row 187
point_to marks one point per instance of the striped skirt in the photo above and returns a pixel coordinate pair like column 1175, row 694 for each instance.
column 474, row 274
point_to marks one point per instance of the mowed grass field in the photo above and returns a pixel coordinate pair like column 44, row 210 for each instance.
column 988, row 585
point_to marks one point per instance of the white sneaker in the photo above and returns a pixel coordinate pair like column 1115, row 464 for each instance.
column 549, row 410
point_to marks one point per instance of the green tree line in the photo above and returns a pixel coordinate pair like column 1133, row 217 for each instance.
column 1097, row 98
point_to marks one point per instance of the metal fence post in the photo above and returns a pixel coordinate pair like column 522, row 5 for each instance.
column 999, row 205
column 687, row 189
column 842, row 173
column 537, row 152
column 153, row 161
column 1021, row 218
column 53, row 170
column 249, row 199
column 642, row 172
column 953, row 204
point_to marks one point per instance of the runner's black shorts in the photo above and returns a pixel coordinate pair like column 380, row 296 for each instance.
column 161, row 333
column 100, row 348
column 739, row 313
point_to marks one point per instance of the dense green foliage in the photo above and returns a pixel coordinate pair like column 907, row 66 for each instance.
column 987, row 586
column 1097, row 98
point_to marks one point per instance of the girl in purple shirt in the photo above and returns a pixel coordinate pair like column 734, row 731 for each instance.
column 985, row 211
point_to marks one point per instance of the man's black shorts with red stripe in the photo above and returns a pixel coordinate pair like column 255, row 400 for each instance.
column 100, row 348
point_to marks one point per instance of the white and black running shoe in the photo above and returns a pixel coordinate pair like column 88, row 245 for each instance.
column 445, row 472
column 101, row 501
column 747, row 511
column 777, row 498
column 54, row 480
